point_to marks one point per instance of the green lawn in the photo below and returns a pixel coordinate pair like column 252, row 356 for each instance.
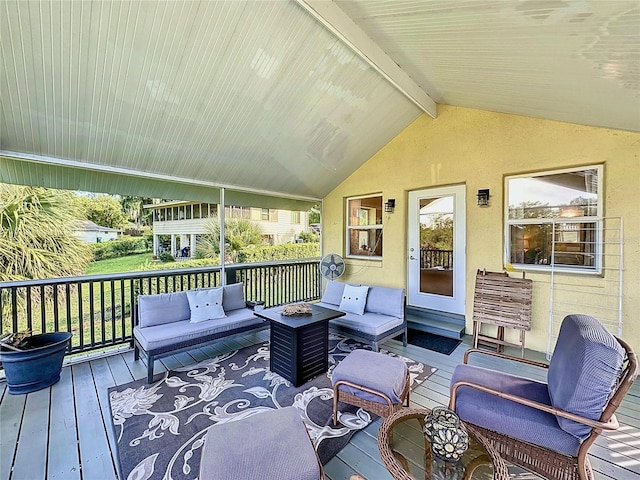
column 120, row 264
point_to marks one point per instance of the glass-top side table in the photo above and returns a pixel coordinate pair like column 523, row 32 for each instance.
column 406, row 452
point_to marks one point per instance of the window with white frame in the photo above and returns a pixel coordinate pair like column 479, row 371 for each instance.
column 554, row 218
column 364, row 227
column 295, row 217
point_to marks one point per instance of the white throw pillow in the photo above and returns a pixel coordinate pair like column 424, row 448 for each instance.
column 205, row 304
column 354, row 299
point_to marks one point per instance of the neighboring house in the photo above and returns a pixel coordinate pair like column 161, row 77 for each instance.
column 184, row 221
column 91, row 233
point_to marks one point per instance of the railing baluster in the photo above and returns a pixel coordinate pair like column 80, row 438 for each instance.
column 56, row 318
column 68, row 305
column 113, row 312
column 43, row 309
column 29, row 309
column 92, row 334
column 14, row 308
column 123, row 311
column 80, row 319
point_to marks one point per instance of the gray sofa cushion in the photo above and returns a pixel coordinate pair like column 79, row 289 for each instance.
column 268, row 445
column 386, row 301
column 507, row 417
column 354, row 299
column 376, row 371
column 205, row 304
column 162, row 308
column 233, row 297
column 370, row 323
column 333, row 293
column 171, row 333
column 586, row 364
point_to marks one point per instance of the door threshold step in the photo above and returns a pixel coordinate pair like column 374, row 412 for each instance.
column 437, row 327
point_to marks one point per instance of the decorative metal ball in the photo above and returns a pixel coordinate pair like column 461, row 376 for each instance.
column 441, row 415
column 448, row 436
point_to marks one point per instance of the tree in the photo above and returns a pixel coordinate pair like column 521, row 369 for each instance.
column 239, row 233
column 36, row 238
column 314, row 214
column 133, row 207
column 103, row 210
column 439, row 234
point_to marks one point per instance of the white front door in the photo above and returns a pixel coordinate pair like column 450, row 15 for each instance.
column 436, row 252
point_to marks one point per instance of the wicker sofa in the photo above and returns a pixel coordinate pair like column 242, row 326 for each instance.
column 383, row 316
column 163, row 325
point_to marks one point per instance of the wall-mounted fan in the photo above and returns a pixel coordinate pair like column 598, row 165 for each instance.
column 331, row 266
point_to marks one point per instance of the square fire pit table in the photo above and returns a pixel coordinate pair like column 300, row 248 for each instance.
column 299, row 343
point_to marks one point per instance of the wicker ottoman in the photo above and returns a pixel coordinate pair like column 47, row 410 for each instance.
column 374, row 381
column 273, row 444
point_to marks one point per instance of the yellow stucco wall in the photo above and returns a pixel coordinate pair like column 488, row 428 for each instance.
column 478, row 148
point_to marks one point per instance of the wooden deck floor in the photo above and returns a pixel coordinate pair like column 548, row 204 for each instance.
column 61, row 432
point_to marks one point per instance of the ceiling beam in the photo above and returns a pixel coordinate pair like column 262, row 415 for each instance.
column 341, row 25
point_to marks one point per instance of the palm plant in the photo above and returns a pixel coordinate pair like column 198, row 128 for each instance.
column 36, row 240
column 239, row 233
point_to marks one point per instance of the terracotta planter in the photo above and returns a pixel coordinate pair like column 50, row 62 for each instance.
column 38, row 367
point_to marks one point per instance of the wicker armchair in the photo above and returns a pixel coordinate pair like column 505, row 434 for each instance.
column 548, row 428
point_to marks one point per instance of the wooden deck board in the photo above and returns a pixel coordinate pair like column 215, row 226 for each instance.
column 95, row 453
column 63, row 461
column 33, row 437
column 72, row 417
column 11, row 417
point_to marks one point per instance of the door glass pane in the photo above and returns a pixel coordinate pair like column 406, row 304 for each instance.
column 436, row 246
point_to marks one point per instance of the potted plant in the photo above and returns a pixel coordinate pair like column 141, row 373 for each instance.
column 33, row 362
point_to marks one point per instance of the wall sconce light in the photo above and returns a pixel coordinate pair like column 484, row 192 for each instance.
column 390, row 205
column 483, row 197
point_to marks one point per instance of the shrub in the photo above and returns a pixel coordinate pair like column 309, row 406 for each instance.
column 279, row 252
column 166, row 257
column 309, row 237
column 121, row 247
column 193, row 263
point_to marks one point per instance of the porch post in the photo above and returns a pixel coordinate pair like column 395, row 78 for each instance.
column 223, row 276
column 156, row 244
column 192, row 247
column 174, row 250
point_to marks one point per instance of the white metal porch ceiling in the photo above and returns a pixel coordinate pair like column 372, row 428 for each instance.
column 172, row 98
column 575, row 61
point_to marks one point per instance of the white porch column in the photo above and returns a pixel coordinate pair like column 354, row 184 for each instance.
column 156, row 244
column 174, row 248
column 192, row 246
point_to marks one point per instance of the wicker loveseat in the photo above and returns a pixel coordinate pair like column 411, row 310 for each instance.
column 549, row 427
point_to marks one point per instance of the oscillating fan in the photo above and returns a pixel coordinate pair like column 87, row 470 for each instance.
column 331, row 266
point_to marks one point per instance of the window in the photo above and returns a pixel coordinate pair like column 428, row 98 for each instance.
column 364, row 227
column 295, row 218
column 554, row 218
column 269, row 215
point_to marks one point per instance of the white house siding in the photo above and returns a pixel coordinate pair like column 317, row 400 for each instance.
column 283, row 230
column 92, row 237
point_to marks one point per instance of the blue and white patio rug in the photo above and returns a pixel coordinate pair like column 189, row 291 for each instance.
column 160, row 428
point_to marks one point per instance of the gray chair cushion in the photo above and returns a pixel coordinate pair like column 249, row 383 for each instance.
column 373, row 370
column 386, row 301
column 507, row 417
column 233, row 297
column 333, row 293
column 586, row 364
column 162, row 308
column 268, row 445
